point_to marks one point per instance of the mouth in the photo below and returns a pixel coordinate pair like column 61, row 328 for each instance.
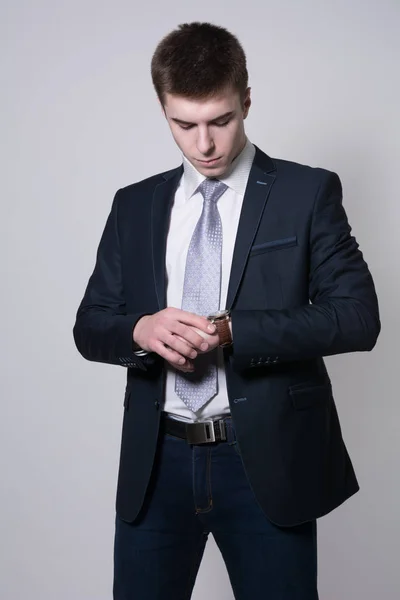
column 209, row 163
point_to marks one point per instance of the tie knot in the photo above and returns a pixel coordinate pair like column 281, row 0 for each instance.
column 212, row 189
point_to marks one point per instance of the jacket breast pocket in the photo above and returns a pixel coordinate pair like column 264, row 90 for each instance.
column 279, row 244
column 308, row 394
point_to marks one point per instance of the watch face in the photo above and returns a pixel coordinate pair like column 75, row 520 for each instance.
column 220, row 314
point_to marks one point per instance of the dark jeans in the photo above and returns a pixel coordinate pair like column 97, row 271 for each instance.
column 196, row 490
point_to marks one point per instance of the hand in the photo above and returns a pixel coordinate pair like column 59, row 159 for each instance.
column 176, row 335
column 211, row 339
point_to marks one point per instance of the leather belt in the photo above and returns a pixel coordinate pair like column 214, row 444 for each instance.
column 202, row 432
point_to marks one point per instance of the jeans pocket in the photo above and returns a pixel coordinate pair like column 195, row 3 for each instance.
column 236, row 448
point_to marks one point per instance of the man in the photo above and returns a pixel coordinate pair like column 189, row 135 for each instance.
column 229, row 421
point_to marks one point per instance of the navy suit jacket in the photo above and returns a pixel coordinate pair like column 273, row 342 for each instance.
column 299, row 290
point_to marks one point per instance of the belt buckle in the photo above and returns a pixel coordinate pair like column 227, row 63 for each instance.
column 203, row 432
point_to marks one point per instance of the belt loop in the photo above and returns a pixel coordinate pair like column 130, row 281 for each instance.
column 230, row 431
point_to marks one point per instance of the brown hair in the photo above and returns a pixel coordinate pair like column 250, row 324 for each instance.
column 198, row 60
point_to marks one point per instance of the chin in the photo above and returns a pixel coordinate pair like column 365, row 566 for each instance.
column 220, row 172
column 211, row 171
column 214, row 171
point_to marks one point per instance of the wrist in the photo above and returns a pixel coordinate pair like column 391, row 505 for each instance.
column 137, row 341
column 222, row 322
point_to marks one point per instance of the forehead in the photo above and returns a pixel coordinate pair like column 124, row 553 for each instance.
column 198, row 110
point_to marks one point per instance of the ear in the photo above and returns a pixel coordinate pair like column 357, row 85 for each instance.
column 246, row 102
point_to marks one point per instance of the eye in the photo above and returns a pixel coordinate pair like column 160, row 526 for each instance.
column 224, row 124
column 186, row 127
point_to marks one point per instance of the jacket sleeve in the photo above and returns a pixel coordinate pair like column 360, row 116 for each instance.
column 103, row 328
column 343, row 315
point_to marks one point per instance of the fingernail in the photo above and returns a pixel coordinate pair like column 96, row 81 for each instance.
column 181, row 361
column 211, row 327
column 193, row 355
column 204, row 346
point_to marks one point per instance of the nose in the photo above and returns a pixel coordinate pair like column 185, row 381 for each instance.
column 205, row 143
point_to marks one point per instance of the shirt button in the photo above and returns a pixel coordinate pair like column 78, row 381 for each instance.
column 157, row 404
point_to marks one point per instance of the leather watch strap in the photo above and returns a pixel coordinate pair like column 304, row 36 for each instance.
column 224, row 332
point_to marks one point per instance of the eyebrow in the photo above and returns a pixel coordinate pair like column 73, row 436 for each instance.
column 220, row 118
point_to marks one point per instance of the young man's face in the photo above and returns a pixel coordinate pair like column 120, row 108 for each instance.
column 210, row 133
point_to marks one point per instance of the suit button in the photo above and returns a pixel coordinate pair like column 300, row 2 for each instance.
column 157, row 404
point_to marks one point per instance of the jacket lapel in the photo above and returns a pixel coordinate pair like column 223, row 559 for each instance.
column 261, row 179
column 160, row 214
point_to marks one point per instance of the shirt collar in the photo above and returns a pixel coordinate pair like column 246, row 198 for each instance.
column 236, row 178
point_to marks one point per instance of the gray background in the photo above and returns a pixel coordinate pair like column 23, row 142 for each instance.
column 79, row 120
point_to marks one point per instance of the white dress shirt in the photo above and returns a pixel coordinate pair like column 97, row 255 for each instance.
column 186, row 210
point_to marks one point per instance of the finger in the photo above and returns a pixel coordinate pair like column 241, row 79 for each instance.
column 188, row 334
column 188, row 367
column 199, row 350
column 179, row 345
column 210, row 338
column 164, row 336
column 170, row 355
column 193, row 320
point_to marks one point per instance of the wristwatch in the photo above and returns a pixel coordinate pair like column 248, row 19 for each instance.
column 221, row 320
